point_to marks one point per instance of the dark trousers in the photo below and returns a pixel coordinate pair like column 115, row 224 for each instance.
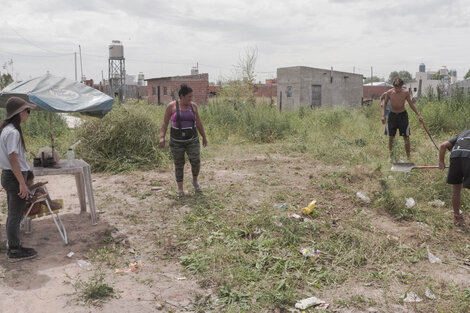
column 16, row 206
column 192, row 149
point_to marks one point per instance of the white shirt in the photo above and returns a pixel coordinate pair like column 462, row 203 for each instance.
column 10, row 142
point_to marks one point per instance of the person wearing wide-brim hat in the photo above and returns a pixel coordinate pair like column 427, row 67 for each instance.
column 14, row 171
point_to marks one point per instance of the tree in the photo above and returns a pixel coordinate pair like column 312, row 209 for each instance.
column 240, row 89
column 467, row 75
column 404, row 75
column 5, row 80
column 374, row 79
column 437, row 76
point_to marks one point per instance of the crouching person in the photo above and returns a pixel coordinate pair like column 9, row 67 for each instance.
column 459, row 170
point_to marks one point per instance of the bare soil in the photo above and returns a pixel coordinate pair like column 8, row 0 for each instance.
column 139, row 213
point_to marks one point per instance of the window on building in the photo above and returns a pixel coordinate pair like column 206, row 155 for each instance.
column 289, row 91
column 164, row 91
column 154, row 91
column 415, row 89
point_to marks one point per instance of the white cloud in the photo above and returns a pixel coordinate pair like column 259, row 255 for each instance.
column 164, row 38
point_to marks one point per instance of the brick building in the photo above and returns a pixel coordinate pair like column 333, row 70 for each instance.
column 214, row 91
column 375, row 90
column 163, row 90
column 267, row 90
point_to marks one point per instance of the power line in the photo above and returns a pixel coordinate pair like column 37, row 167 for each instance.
column 35, row 45
column 33, row 56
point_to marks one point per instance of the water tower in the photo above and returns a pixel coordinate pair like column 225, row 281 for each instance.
column 453, row 76
column 422, row 68
column 117, row 69
column 444, row 71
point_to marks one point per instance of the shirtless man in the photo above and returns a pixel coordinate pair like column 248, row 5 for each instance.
column 398, row 117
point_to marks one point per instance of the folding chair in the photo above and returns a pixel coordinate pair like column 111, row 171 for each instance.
column 45, row 209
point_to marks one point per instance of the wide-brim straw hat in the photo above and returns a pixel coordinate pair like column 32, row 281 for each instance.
column 17, row 105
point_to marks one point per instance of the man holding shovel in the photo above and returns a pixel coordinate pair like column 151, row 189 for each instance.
column 459, row 170
column 398, row 117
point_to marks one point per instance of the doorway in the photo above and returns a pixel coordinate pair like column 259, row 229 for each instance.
column 158, row 95
column 316, row 96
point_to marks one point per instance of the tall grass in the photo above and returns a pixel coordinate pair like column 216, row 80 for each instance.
column 448, row 115
column 125, row 139
column 261, row 123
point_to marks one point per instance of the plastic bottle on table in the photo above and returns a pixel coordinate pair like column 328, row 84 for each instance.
column 70, row 157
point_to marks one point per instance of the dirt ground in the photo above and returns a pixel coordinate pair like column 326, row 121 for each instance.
column 43, row 284
column 134, row 213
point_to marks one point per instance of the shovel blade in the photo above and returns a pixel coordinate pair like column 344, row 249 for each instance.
column 402, row 167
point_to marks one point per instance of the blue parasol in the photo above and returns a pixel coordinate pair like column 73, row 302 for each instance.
column 59, row 94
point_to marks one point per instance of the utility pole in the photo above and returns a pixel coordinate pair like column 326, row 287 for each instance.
column 75, row 53
column 12, row 72
column 81, row 67
column 371, row 75
column 354, row 70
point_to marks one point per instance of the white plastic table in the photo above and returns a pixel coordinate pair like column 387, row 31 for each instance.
column 82, row 173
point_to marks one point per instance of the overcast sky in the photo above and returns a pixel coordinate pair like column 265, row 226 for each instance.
column 165, row 38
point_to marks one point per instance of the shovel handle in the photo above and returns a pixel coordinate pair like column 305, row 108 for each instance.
column 424, row 126
column 428, row 166
column 429, row 134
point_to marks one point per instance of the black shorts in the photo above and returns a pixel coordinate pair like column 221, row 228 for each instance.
column 397, row 121
column 459, row 172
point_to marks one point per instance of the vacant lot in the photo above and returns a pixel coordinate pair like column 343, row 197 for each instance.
column 229, row 249
column 235, row 248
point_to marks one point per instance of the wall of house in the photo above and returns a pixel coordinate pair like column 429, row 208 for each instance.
column 426, row 84
column 337, row 88
column 266, row 91
column 464, row 85
column 374, row 92
column 169, row 87
column 129, row 91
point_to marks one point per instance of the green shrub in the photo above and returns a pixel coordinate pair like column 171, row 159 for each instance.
column 125, row 139
column 450, row 114
column 263, row 124
column 259, row 123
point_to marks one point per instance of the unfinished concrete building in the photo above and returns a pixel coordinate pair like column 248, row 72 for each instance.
column 302, row 86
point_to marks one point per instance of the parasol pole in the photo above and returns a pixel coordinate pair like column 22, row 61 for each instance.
column 52, row 133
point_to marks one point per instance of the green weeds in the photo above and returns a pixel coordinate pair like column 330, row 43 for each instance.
column 94, row 289
column 254, row 260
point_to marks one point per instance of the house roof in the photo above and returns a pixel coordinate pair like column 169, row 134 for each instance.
column 184, row 77
column 375, row 84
